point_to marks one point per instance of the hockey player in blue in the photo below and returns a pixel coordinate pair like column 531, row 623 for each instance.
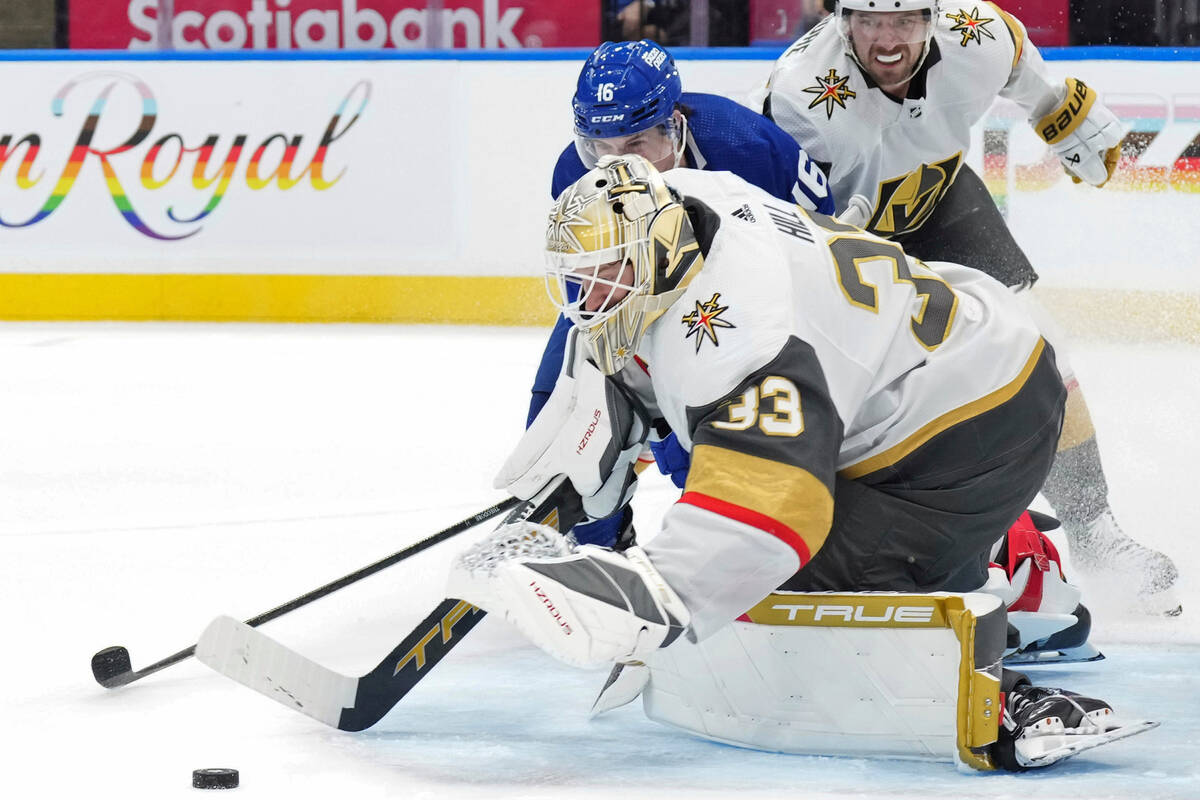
column 629, row 99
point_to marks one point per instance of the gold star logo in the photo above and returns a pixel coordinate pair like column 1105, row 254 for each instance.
column 704, row 321
column 559, row 234
column 971, row 26
column 830, row 90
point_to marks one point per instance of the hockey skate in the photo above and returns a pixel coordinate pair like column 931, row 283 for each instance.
column 1042, row 726
column 1047, row 623
column 1109, row 558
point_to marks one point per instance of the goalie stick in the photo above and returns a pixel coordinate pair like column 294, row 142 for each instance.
column 253, row 659
column 347, row 703
column 111, row 666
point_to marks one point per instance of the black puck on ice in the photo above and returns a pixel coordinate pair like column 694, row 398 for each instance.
column 215, row 778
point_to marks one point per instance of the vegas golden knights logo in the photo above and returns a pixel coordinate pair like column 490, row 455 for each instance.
column 972, row 26
column 904, row 203
column 705, row 320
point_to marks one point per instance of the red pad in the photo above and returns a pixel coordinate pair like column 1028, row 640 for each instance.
column 1025, row 541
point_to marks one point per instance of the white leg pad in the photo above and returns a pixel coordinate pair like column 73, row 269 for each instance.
column 866, row 674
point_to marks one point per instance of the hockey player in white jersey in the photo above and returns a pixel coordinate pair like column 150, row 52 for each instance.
column 883, row 94
column 857, row 421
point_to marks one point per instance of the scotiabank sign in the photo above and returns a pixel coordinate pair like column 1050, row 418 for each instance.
column 334, row 24
column 1046, row 21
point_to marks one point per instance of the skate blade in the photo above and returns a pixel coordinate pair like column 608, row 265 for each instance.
column 1068, row 655
column 1073, row 744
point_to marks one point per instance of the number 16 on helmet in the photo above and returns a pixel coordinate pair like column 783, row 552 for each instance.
column 626, row 103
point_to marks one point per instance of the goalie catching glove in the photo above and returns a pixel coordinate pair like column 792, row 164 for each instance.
column 587, row 606
column 1084, row 134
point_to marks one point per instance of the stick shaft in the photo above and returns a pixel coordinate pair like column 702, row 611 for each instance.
column 124, row 678
column 383, row 563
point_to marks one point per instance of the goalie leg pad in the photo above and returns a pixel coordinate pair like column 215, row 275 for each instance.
column 863, row 674
column 587, row 608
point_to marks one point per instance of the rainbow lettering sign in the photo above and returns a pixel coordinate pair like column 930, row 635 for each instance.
column 113, row 160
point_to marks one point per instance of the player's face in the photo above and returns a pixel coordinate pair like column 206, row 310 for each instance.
column 889, row 44
column 607, row 286
column 657, row 145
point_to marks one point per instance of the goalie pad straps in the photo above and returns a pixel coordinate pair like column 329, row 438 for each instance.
column 1084, row 134
column 590, row 430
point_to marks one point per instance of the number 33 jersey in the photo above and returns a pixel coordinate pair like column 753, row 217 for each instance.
column 805, row 349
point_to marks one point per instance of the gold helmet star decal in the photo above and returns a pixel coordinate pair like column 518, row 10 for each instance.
column 829, row 90
column 971, row 26
column 559, row 235
column 703, row 322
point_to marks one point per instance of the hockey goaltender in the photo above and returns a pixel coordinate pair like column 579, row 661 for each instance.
column 865, row 431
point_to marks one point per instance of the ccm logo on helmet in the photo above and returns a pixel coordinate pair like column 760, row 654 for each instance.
column 608, row 118
column 1069, row 113
column 915, row 615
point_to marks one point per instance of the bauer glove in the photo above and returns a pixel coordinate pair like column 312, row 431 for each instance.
column 1084, row 134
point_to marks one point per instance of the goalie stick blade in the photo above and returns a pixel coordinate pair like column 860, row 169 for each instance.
column 347, row 703
column 380, row 689
column 254, row 659
column 1073, row 745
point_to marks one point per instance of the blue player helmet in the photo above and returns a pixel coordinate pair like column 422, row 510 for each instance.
column 625, row 89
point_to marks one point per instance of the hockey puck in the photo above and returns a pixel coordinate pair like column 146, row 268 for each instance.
column 215, row 778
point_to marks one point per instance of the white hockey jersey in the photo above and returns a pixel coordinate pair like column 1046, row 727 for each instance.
column 902, row 154
column 803, row 349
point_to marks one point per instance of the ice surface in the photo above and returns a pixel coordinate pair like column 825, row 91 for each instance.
column 154, row 476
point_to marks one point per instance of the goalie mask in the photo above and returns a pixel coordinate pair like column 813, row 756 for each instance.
column 620, row 250
column 888, row 39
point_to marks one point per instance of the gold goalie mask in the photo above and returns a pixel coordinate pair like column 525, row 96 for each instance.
column 620, row 250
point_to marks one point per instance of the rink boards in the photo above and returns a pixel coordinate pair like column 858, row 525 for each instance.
column 414, row 189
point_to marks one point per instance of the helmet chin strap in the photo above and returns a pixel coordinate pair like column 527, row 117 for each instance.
column 681, row 145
